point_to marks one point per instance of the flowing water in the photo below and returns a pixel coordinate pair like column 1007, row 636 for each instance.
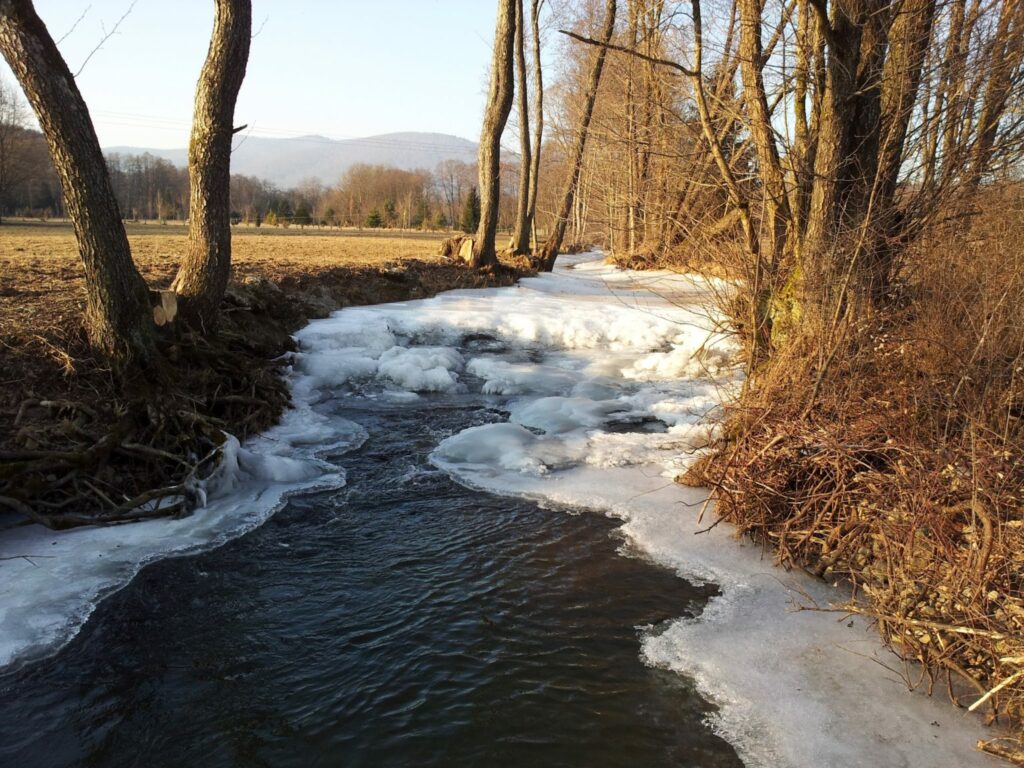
column 403, row 620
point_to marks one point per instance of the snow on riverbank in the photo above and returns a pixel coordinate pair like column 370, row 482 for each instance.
column 611, row 382
column 606, row 384
column 50, row 582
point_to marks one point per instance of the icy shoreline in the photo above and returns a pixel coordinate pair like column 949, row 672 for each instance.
column 610, row 381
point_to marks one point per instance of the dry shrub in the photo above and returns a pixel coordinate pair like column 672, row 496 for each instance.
column 891, row 458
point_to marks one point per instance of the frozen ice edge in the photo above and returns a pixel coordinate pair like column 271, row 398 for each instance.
column 793, row 687
column 51, row 582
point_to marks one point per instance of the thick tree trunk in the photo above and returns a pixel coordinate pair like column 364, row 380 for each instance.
column 521, row 235
column 553, row 244
column 118, row 317
column 204, row 273
column 820, row 270
column 538, row 115
column 777, row 216
column 499, row 104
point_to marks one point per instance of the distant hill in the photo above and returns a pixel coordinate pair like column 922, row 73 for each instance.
column 286, row 162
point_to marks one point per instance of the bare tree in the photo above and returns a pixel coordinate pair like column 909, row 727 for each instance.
column 118, row 318
column 204, row 273
column 553, row 244
column 521, row 233
column 499, row 104
column 14, row 165
column 538, row 115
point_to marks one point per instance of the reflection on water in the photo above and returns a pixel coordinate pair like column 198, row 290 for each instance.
column 401, row 621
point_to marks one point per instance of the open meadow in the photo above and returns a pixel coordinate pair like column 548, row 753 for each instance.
column 42, row 285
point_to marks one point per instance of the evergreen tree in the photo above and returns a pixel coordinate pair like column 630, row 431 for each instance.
column 390, row 214
column 441, row 222
column 471, row 212
column 420, row 214
column 374, row 220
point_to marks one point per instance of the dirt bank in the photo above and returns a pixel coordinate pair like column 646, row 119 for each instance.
column 79, row 445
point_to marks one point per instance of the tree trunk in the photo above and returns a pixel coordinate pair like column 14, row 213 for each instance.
column 820, row 267
column 118, row 317
column 553, row 244
column 204, row 273
column 909, row 39
column 521, row 235
column 499, row 104
column 538, row 115
column 777, row 216
column 1007, row 54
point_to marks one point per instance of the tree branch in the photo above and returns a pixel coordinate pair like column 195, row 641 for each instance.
column 107, row 36
column 623, row 49
column 821, row 11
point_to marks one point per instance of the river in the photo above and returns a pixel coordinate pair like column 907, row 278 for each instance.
column 409, row 570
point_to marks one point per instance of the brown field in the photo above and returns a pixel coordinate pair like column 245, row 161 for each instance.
column 49, row 248
column 42, row 290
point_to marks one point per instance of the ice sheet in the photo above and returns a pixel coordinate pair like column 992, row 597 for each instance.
column 51, row 582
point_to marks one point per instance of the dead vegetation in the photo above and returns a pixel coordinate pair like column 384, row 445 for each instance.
column 80, row 445
column 888, row 454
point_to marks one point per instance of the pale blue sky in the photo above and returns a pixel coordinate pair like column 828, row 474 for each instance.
column 341, row 69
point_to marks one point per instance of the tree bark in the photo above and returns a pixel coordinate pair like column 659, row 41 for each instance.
column 549, row 252
column 909, row 38
column 538, row 114
column 118, row 318
column 834, row 166
column 499, row 104
column 203, row 275
column 521, row 235
column 777, row 216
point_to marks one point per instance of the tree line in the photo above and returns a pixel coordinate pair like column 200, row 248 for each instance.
column 152, row 188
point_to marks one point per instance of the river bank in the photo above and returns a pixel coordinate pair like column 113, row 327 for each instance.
column 78, row 444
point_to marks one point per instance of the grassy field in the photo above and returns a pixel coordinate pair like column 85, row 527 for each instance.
column 42, row 290
column 35, row 249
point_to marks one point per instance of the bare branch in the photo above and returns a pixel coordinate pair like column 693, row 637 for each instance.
column 107, row 36
column 632, row 52
column 74, row 26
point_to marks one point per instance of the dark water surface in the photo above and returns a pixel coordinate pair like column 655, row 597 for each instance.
column 400, row 621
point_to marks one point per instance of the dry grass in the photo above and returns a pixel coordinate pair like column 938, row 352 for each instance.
column 268, row 251
column 905, row 476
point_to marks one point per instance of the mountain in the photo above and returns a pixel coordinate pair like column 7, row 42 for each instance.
column 286, row 162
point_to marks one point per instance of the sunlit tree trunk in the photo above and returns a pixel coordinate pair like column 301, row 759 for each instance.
column 204, row 273
column 538, row 115
column 521, row 234
column 1007, row 53
column 909, row 38
column 776, row 202
column 118, row 317
column 499, row 104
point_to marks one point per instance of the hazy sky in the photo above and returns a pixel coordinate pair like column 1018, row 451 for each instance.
column 341, row 69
